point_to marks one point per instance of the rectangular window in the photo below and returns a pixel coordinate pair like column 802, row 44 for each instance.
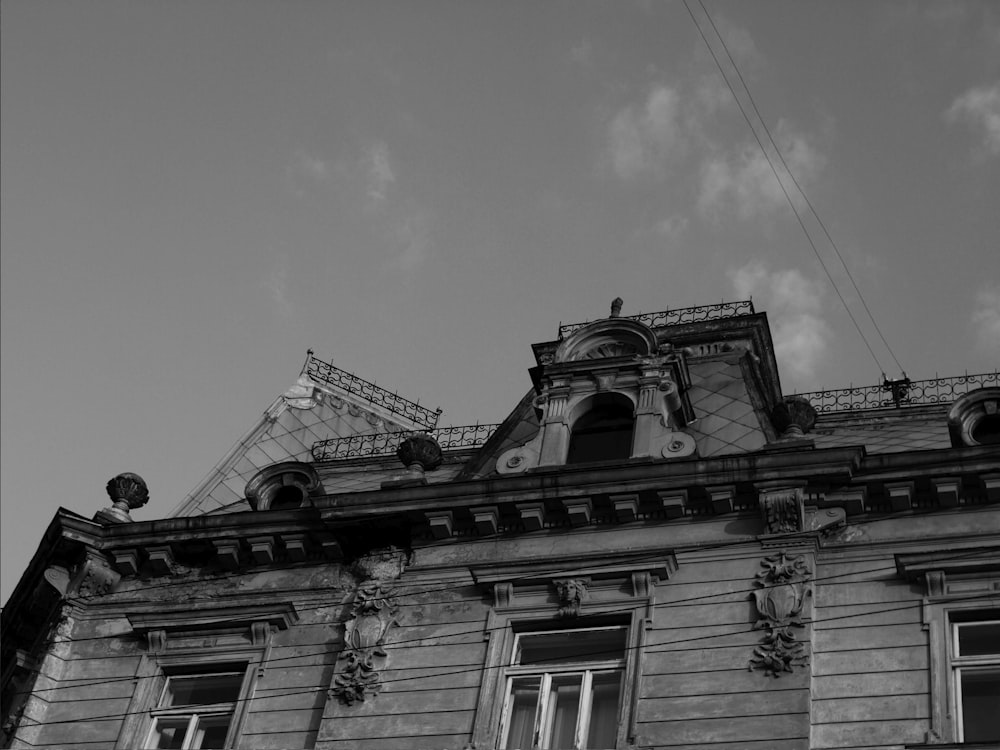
column 976, row 667
column 196, row 709
column 564, row 689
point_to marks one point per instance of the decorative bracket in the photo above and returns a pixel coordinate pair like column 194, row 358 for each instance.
column 782, row 510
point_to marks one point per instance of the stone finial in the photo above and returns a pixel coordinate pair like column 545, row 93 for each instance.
column 419, row 453
column 127, row 491
column 793, row 417
column 616, row 307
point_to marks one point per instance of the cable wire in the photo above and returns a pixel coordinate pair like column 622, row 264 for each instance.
column 784, row 190
column 798, row 187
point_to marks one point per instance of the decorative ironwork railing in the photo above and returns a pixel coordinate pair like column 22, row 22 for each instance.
column 324, row 372
column 678, row 316
column 899, row 393
column 385, row 443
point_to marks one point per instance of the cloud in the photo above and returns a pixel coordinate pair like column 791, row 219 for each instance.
column 643, row 137
column 378, row 171
column 672, row 227
column 986, row 318
column 411, row 238
column 980, row 108
column 801, row 336
column 582, row 52
column 306, row 171
column 276, row 285
column 744, row 182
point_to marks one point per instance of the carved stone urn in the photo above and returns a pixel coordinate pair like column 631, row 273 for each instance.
column 419, row 453
column 127, row 491
column 793, row 417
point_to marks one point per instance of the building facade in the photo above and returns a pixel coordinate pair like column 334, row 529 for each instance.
column 656, row 549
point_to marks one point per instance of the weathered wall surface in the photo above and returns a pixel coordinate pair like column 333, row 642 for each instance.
column 866, row 684
column 871, row 662
column 870, row 668
column 697, row 688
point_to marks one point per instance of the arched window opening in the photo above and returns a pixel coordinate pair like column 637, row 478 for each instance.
column 987, row 430
column 604, row 433
column 287, row 497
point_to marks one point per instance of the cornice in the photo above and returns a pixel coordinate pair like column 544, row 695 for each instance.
column 834, row 465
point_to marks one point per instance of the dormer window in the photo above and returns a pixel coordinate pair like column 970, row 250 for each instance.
column 282, row 486
column 603, row 432
column 974, row 418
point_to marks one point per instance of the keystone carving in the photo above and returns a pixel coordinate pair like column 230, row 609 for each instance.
column 372, row 615
column 783, row 586
column 572, row 592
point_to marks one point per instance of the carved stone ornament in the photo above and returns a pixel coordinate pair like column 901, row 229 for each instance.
column 420, row 452
column 383, row 564
column 302, row 395
column 793, row 417
column 127, row 491
column 782, row 510
column 783, row 586
column 572, row 592
column 372, row 615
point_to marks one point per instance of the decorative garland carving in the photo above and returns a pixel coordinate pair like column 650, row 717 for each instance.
column 572, row 592
column 783, row 587
column 372, row 615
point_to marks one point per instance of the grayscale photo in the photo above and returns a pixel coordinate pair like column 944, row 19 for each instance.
column 500, row 374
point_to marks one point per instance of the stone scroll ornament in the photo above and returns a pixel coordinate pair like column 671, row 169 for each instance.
column 372, row 615
column 783, row 586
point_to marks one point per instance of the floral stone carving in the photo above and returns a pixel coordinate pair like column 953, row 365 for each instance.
column 372, row 615
column 783, row 586
column 572, row 592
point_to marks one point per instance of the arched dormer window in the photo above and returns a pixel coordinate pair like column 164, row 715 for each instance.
column 603, row 431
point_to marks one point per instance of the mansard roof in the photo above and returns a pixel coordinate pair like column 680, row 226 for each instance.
column 349, row 429
column 324, row 403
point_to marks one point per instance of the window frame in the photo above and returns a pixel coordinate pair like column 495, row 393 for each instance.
column 234, row 710
column 621, row 590
column 961, row 585
column 959, row 665
column 586, row 669
column 184, row 640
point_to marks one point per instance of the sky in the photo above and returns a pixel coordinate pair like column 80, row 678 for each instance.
column 196, row 193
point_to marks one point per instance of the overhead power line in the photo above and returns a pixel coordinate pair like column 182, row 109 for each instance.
column 798, row 186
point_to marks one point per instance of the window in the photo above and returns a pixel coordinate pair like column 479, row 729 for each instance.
column 196, row 710
column 604, row 433
column 962, row 613
column 976, row 668
column 196, row 680
column 564, row 689
column 558, row 676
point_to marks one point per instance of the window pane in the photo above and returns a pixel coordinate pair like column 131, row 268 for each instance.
column 604, row 695
column 211, row 732
column 978, row 639
column 169, row 733
column 569, row 647
column 203, row 689
column 981, row 705
column 564, row 707
column 523, row 701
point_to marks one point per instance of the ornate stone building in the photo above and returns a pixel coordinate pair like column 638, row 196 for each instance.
column 656, row 549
